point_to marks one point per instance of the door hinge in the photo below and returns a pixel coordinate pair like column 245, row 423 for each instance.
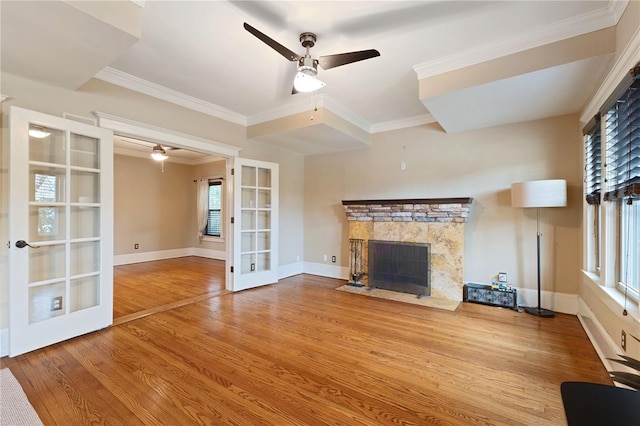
column 8, row 244
column 233, row 172
column 232, row 269
column 233, row 220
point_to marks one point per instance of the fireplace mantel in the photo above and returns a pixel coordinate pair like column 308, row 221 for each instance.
column 460, row 200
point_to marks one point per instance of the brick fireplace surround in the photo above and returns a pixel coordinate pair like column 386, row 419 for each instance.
column 437, row 221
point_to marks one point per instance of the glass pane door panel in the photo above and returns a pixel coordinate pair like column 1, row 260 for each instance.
column 264, row 198
column 248, row 176
column 264, row 219
column 85, row 187
column 46, row 184
column 46, row 148
column 248, row 220
column 248, row 198
column 85, row 151
column 85, row 222
column 248, row 242
column 248, row 263
column 85, row 257
column 85, row 293
column 46, row 223
column 264, row 240
column 264, row 178
column 46, row 302
column 47, row 262
column 263, row 262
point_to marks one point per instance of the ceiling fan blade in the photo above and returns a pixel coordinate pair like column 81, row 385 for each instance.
column 291, row 56
column 332, row 61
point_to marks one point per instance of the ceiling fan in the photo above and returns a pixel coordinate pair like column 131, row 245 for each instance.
column 306, row 80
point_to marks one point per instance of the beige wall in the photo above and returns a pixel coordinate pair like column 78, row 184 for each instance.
column 152, row 208
column 480, row 164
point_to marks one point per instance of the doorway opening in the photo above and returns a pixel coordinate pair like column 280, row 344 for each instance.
column 160, row 260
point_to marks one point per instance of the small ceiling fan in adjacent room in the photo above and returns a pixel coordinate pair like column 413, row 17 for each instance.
column 306, row 78
column 158, row 153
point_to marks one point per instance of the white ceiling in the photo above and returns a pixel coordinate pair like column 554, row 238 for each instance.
column 197, row 54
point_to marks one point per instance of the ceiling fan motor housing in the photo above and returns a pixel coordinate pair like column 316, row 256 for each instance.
column 308, row 40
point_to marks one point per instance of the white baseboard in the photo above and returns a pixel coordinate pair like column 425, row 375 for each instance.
column 150, row 256
column 4, row 342
column 557, row 302
column 601, row 341
column 290, row 270
column 209, row 253
column 324, row 270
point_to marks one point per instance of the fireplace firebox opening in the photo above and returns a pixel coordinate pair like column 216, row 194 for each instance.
column 400, row 266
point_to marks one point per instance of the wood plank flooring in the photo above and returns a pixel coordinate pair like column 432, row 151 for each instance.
column 300, row 353
column 144, row 288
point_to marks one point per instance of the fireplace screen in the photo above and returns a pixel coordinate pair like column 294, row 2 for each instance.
column 398, row 266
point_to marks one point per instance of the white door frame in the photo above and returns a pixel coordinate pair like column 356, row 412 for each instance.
column 137, row 130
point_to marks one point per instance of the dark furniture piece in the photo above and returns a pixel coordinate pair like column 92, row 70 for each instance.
column 485, row 294
column 593, row 404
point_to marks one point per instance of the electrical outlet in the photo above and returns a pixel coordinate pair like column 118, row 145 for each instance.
column 253, row 267
column 136, row 246
column 56, row 303
column 623, row 340
column 333, row 259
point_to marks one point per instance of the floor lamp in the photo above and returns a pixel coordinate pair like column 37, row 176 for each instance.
column 537, row 194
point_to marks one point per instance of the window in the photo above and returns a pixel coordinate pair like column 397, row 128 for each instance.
column 622, row 172
column 214, row 211
column 593, row 185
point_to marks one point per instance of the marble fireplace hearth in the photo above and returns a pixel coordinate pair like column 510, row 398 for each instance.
column 439, row 222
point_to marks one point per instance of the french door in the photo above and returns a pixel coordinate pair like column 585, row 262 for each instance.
column 61, row 229
column 255, row 245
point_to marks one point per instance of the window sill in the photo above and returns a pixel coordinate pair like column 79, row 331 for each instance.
column 612, row 297
column 210, row 239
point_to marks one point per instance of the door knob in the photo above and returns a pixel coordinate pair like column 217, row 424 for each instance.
column 23, row 244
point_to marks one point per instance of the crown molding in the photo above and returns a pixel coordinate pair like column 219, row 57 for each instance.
column 346, row 114
column 403, row 123
column 566, row 28
column 307, row 104
column 617, row 8
column 137, row 130
column 628, row 59
column 119, row 78
column 301, row 104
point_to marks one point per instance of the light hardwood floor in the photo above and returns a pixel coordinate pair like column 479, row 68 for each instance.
column 300, row 353
column 146, row 288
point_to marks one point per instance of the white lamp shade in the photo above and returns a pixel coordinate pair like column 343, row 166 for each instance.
column 539, row 193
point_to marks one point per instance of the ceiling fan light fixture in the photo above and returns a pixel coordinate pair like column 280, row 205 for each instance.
column 306, row 81
column 159, row 153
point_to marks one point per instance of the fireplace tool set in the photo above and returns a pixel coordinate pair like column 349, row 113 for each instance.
column 356, row 268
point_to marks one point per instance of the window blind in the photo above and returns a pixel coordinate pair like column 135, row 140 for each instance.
column 593, row 160
column 623, row 142
column 215, row 204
